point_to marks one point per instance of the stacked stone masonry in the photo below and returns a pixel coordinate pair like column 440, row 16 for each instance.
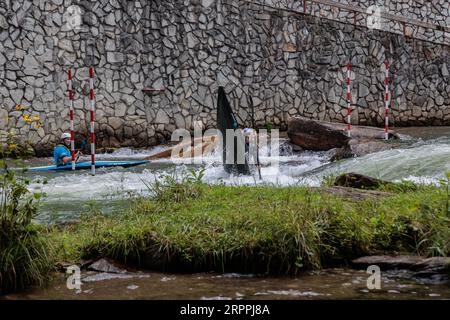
column 291, row 64
column 435, row 13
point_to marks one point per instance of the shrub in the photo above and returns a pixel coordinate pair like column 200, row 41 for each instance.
column 24, row 258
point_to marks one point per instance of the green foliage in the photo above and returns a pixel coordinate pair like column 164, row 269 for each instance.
column 402, row 186
column 24, row 256
column 445, row 184
column 269, row 126
column 11, row 148
column 328, row 180
column 169, row 188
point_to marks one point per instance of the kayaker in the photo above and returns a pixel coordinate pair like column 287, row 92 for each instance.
column 248, row 132
column 249, row 135
column 61, row 152
column 251, row 148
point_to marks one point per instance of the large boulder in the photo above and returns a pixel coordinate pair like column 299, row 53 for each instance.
column 315, row 135
column 320, row 135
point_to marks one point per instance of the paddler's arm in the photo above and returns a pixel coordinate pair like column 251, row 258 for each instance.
column 78, row 155
column 65, row 159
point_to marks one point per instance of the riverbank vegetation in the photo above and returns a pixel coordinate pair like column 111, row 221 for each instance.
column 24, row 250
column 191, row 226
column 12, row 148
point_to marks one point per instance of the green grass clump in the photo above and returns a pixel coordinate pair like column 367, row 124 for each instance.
column 190, row 226
column 24, row 254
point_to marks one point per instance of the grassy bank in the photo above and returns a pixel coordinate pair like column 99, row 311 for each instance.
column 191, row 226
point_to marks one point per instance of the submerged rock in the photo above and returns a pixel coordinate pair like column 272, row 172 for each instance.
column 361, row 147
column 106, row 276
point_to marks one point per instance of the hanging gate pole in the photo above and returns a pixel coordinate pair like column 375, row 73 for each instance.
column 386, row 115
column 91, row 98
column 72, row 134
column 348, row 101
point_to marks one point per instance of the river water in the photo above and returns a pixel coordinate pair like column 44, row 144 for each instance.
column 325, row 284
column 424, row 156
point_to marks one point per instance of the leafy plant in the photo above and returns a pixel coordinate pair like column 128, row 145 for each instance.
column 169, row 188
column 24, row 258
column 10, row 147
column 269, row 126
column 445, row 184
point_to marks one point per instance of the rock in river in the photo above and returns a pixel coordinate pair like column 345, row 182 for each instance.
column 359, row 181
column 322, row 135
column 388, row 262
column 435, row 268
column 104, row 265
column 315, row 135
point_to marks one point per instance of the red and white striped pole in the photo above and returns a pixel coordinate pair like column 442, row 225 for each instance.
column 348, row 101
column 386, row 115
column 72, row 135
column 91, row 98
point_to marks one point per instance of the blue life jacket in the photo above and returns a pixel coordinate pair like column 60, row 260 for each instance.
column 59, row 152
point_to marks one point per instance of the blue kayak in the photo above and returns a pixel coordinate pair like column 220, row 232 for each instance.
column 87, row 165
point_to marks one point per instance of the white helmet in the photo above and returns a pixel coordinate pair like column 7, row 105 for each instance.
column 65, row 135
column 248, row 131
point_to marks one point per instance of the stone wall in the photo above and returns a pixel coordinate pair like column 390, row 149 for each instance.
column 435, row 12
column 290, row 63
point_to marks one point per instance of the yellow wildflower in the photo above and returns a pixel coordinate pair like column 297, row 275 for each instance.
column 36, row 118
column 26, row 118
column 38, row 125
column 19, row 107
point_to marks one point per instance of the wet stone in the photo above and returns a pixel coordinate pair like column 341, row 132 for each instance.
column 104, row 265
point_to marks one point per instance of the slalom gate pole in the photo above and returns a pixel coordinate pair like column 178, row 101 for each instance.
column 91, row 98
column 72, row 134
column 386, row 115
column 348, row 101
